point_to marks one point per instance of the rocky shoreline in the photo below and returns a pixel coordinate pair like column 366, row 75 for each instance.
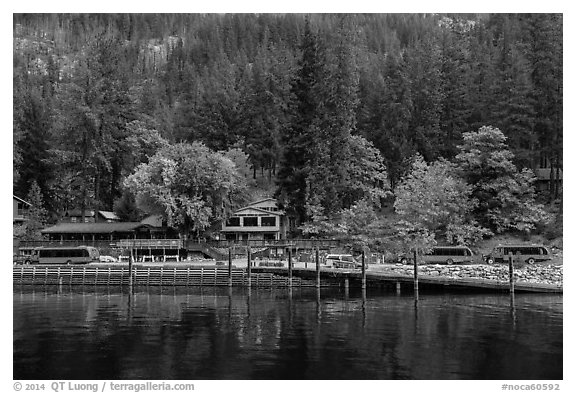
column 539, row 274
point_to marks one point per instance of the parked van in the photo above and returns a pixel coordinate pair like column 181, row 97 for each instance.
column 527, row 253
column 24, row 255
column 442, row 254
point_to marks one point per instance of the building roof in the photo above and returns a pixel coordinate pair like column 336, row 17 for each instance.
column 154, row 220
column 258, row 210
column 95, row 227
column 78, row 213
column 20, row 200
column 262, row 200
column 544, row 174
column 108, row 215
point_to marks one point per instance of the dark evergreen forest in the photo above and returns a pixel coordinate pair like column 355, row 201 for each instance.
column 302, row 96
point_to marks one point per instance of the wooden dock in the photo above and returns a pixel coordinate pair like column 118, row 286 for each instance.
column 260, row 277
column 353, row 277
column 149, row 275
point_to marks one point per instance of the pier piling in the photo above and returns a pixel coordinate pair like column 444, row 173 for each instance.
column 130, row 261
column 416, row 274
column 249, row 267
column 363, row 270
column 290, row 267
column 511, row 272
column 230, row 266
column 317, row 268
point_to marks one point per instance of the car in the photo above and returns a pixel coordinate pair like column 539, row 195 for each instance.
column 342, row 261
column 107, row 258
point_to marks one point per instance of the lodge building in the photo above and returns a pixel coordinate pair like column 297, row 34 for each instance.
column 260, row 220
column 104, row 231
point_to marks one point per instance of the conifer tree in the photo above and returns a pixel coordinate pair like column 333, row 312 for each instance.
column 387, row 115
column 456, row 84
column 482, row 76
column 407, row 83
column 513, row 105
column 329, row 177
column 546, row 53
column 424, row 65
column 297, row 143
column 37, row 214
column 32, row 120
column 263, row 109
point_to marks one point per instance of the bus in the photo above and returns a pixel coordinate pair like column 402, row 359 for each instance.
column 527, row 253
column 65, row 255
column 443, row 254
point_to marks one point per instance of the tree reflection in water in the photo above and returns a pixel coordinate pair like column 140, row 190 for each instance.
column 248, row 333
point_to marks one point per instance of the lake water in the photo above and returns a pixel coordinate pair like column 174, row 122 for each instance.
column 222, row 333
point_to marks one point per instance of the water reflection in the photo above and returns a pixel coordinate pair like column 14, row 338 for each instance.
column 513, row 309
column 247, row 333
column 363, row 308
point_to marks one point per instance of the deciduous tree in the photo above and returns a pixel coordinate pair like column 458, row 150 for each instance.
column 436, row 200
column 505, row 196
column 190, row 185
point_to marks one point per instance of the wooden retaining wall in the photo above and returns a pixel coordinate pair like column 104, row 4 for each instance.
column 177, row 276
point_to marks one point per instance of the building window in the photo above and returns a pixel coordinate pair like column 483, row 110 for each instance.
column 233, row 222
column 22, row 209
column 250, row 221
column 72, row 219
column 268, row 221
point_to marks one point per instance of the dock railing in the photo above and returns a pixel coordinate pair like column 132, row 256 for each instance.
column 284, row 243
column 192, row 244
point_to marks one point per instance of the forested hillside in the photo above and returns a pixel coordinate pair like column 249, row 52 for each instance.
column 333, row 108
